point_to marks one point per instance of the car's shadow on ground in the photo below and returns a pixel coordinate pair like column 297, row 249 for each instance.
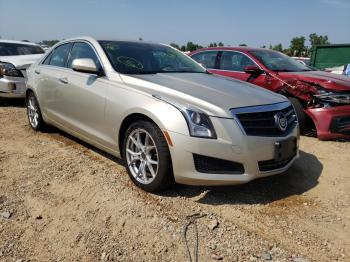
column 12, row 102
column 300, row 178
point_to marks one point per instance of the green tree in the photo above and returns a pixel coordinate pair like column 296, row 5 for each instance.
column 278, row 48
column 242, row 45
column 49, row 42
column 318, row 39
column 220, row 44
column 190, row 46
column 297, row 46
column 175, row 46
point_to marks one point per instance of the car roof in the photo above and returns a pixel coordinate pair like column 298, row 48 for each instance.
column 91, row 39
column 229, row 48
column 17, row 42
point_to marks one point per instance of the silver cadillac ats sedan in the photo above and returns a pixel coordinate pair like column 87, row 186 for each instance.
column 162, row 112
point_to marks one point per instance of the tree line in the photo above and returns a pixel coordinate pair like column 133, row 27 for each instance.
column 297, row 46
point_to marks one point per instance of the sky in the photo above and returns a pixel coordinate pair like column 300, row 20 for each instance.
column 253, row 22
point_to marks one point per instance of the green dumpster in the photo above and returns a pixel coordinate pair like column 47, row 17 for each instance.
column 325, row 56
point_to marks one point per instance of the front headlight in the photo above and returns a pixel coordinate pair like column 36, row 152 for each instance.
column 8, row 69
column 199, row 123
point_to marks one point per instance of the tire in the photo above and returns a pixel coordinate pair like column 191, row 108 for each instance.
column 139, row 162
column 34, row 113
column 299, row 110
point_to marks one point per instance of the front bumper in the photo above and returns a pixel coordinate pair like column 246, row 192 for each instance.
column 331, row 122
column 231, row 145
column 12, row 86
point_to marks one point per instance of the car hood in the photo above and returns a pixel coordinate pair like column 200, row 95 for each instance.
column 324, row 79
column 21, row 61
column 215, row 95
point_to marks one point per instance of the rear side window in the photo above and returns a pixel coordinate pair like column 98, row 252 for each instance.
column 234, row 61
column 60, row 55
column 207, row 58
column 83, row 50
column 13, row 49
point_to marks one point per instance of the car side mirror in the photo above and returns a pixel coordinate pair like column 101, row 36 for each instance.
column 85, row 65
column 253, row 70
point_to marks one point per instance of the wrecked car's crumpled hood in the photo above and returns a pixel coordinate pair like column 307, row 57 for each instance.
column 324, row 79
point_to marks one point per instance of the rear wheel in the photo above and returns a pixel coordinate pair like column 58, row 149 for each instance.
column 147, row 156
column 299, row 110
column 34, row 114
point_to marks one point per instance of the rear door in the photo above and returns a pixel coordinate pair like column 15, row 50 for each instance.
column 208, row 59
column 50, row 74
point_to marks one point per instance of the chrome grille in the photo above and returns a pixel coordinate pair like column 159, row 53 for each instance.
column 266, row 120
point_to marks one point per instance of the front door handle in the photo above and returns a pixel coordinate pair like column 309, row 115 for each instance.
column 37, row 71
column 63, row 80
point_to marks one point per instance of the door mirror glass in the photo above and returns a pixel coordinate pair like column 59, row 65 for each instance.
column 253, row 70
column 85, row 65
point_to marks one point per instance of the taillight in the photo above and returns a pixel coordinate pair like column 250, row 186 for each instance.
column 8, row 69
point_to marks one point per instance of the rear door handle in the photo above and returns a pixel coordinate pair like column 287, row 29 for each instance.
column 63, row 80
column 37, row 71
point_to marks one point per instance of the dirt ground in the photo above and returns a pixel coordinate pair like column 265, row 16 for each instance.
column 62, row 200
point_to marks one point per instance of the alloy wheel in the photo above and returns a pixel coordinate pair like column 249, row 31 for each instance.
column 33, row 112
column 142, row 156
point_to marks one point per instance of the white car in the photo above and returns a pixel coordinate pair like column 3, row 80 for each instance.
column 340, row 70
column 15, row 58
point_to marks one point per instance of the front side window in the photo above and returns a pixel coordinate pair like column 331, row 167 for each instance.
column 234, row 61
column 83, row 50
column 206, row 58
column 279, row 62
column 47, row 59
column 60, row 55
column 14, row 49
column 146, row 58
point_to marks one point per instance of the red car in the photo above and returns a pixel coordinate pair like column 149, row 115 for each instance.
column 318, row 97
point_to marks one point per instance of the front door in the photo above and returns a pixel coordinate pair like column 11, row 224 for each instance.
column 232, row 64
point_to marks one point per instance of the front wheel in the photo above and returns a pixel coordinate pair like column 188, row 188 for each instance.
column 147, row 156
column 34, row 114
column 299, row 110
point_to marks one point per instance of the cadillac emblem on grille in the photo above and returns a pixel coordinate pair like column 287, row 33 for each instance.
column 281, row 121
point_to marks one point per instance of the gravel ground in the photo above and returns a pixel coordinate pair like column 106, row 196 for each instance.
column 62, row 200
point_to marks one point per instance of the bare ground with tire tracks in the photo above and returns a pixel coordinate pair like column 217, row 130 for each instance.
column 70, row 202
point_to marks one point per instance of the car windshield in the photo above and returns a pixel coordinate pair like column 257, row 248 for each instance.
column 13, row 49
column 279, row 62
column 147, row 58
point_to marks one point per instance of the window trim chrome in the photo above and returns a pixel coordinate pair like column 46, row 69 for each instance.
column 72, row 42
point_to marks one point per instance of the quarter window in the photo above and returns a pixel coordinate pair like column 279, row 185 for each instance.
column 60, row 55
column 83, row 50
column 207, row 59
column 234, row 61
